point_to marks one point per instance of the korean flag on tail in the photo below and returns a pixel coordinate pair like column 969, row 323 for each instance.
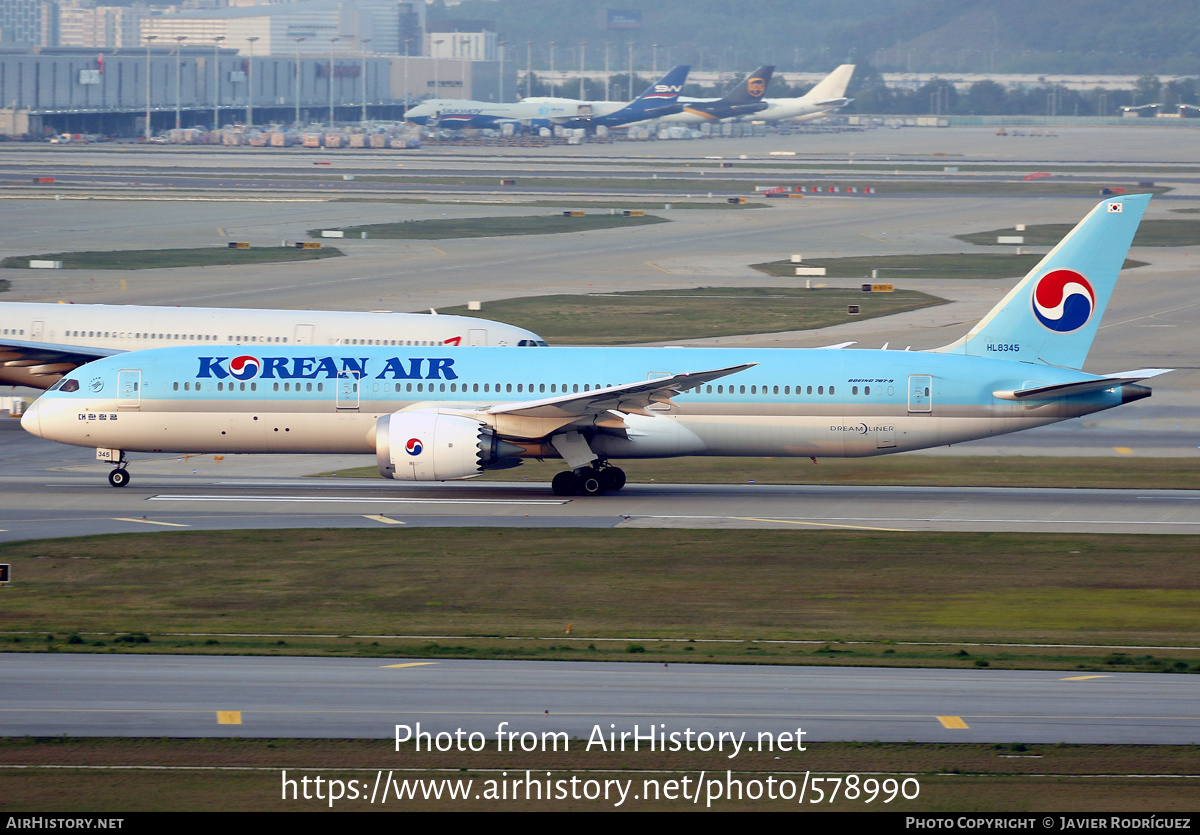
column 1115, row 207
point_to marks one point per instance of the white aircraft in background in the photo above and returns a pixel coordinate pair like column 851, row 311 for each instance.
column 827, row 96
column 41, row 342
column 659, row 99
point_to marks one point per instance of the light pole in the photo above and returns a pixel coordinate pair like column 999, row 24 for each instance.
column 437, row 81
column 464, row 43
column 363, row 45
column 500, row 55
column 552, row 85
column 332, row 41
column 179, row 39
column 406, row 43
column 217, row 81
column 149, row 38
column 297, row 122
column 528, row 69
column 654, row 60
column 631, row 70
column 582, row 47
column 250, row 83
column 607, row 97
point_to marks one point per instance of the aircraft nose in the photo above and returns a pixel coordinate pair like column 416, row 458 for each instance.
column 31, row 421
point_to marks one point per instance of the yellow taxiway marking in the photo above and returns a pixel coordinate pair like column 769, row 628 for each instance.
column 124, row 286
column 221, row 232
column 820, row 524
column 875, row 237
column 150, row 522
column 655, row 266
column 953, row 722
column 385, row 520
column 409, row 664
column 1123, row 450
column 229, row 717
column 438, row 251
column 1083, row 678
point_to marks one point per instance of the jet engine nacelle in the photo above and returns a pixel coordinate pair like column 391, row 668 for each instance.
column 429, row 445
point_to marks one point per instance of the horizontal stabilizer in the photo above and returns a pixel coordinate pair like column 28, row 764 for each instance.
column 1067, row 389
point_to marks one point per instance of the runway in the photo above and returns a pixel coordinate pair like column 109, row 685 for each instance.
column 78, row 503
column 182, row 696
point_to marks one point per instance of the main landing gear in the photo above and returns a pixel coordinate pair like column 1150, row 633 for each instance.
column 590, row 481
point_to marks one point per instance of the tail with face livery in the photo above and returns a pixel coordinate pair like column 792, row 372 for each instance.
column 1052, row 315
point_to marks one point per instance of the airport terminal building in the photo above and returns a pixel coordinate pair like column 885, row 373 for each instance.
column 79, row 90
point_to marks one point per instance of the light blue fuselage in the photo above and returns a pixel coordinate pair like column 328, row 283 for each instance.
column 793, row 402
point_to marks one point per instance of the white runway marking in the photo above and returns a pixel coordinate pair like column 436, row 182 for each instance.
column 351, row 500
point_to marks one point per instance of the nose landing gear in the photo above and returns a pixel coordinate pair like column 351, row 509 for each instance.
column 118, row 476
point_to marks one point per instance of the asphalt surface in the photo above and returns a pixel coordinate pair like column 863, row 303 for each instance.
column 50, row 490
column 180, row 696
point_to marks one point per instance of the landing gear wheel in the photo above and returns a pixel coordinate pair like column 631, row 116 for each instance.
column 612, row 479
column 590, row 483
column 119, row 477
column 565, row 484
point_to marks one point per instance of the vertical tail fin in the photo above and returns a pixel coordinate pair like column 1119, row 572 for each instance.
column 1051, row 316
column 832, row 86
column 662, row 93
column 750, row 91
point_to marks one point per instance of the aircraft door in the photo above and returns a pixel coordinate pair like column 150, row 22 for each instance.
column 304, row 334
column 37, row 330
column 129, row 389
column 347, row 391
column 920, row 394
column 477, row 337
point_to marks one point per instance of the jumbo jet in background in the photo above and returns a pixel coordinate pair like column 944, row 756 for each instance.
column 41, row 342
column 660, row 99
column 442, row 414
column 828, row 96
column 745, row 99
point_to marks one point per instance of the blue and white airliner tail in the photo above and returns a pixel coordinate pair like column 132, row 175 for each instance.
column 441, row 413
column 659, row 99
column 1051, row 316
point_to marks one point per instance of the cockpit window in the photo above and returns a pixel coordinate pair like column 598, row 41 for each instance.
column 532, row 343
column 66, row 384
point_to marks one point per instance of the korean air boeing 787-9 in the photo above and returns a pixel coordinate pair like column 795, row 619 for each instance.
column 443, row 413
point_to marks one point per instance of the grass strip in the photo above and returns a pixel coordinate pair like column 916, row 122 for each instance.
column 113, row 774
column 1154, row 232
column 491, row 227
column 622, row 594
column 892, row 268
column 150, row 259
column 556, row 204
column 663, row 315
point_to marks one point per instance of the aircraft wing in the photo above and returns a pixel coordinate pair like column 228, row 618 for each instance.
column 627, row 397
column 1067, row 389
column 46, row 358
